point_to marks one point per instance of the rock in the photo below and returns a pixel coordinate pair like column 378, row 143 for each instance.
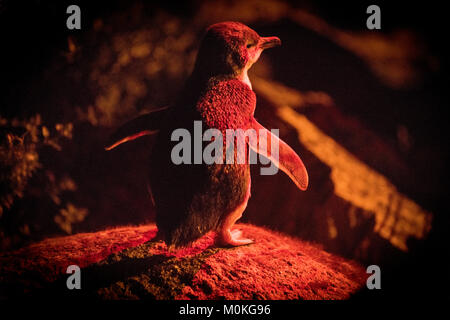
column 353, row 205
column 124, row 263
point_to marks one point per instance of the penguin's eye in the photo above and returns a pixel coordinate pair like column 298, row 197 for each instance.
column 250, row 45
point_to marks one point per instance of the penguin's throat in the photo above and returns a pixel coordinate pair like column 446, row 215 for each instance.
column 245, row 79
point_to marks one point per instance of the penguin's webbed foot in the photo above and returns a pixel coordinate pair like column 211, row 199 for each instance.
column 232, row 238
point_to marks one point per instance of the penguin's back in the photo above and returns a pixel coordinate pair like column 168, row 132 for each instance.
column 227, row 104
column 192, row 199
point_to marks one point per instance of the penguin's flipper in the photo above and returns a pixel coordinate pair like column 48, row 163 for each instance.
column 143, row 125
column 288, row 161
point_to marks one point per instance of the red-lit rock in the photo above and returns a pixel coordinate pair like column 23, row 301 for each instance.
column 124, row 263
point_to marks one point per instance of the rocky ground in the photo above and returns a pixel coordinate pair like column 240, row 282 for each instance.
column 124, row 263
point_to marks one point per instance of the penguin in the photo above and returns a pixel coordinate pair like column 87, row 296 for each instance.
column 192, row 199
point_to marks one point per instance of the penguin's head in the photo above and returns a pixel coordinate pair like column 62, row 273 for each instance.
column 230, row 48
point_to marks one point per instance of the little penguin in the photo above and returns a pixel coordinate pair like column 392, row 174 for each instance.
column 192, row 199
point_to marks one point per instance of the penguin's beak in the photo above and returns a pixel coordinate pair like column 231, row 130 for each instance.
column 269, row 42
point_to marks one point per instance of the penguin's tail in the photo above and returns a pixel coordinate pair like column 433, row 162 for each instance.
column 178, row 237
column 143, row 125
column 183, row 235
